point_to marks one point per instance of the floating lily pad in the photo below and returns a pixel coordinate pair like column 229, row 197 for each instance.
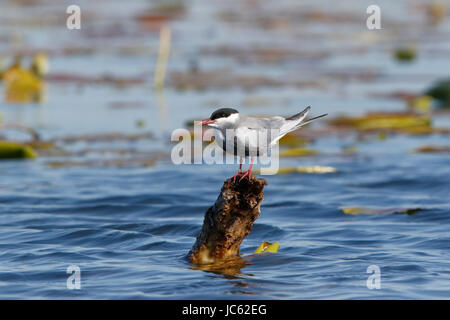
column 364, row 210
column 384, row 121
column 15, row 150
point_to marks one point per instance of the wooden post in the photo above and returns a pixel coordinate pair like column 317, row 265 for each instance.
column 228, row 221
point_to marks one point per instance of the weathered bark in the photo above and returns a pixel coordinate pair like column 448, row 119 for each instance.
column 228, row 221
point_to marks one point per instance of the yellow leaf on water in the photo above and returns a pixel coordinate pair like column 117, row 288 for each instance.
column 358, row 210
column 363, row 210
column 421, row 104
column 26, row 85
column 268, row 247
column 384, row 121
column 292, row 141
column 297, row 152
column 14, row 150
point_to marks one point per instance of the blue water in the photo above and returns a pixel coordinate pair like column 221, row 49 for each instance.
column 129, row 232
column 129, row 228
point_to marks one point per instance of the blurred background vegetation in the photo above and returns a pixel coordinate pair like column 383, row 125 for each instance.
column 110, row 93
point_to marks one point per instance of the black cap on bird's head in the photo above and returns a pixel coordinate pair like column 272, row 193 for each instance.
column 219, row 114
column 222, row 113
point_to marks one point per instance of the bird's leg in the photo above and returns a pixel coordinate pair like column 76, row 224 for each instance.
column 240, row 169
column 249, row 172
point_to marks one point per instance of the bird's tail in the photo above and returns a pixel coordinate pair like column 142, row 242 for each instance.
column 295, row 122
column 301, row 124
column 299, row 115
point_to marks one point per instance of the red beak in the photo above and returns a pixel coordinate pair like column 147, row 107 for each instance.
column 207, row 121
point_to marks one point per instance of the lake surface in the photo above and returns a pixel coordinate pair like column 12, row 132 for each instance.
column 128, row 224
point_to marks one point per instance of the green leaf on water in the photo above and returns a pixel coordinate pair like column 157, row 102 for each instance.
column 407, row 123
column 365, row 210
column 441, row 92
column 15, row 150
column 405, row 54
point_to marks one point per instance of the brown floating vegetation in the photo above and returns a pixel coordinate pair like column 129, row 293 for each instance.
column 283, row 18
column 126, row 104
column 221, row 79
column 161, row 13
column 98, row 157
column 433, row 149
column 435, row 11
column 106, row 79
column 116, row 163
column 265, row 54
column 104, row 137
column 228, row 221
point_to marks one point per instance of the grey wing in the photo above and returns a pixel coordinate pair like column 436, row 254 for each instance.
column 272, row 127
column 263, row 123
column 277, row 127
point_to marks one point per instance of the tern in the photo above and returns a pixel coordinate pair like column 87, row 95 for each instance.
column 245, row 136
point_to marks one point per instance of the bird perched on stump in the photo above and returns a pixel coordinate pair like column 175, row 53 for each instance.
column 245, row 136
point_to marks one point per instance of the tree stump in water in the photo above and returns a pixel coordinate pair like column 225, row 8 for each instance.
column 228, row 221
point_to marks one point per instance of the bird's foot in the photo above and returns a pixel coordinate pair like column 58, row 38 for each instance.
column 246, row 174
column 237, row 174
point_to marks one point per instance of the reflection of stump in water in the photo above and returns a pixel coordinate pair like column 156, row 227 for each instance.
column 228, row 221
